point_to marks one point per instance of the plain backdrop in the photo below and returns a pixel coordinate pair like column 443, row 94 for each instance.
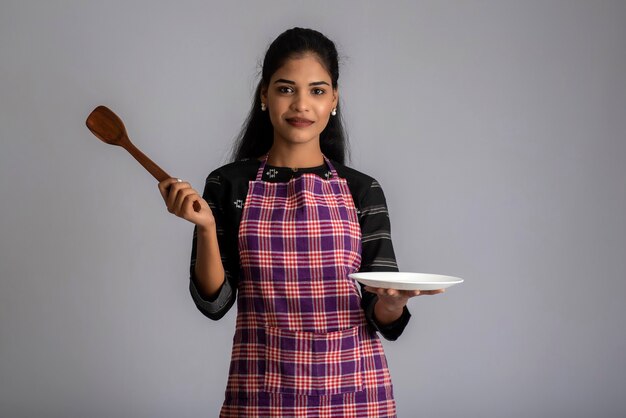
column 496, row 128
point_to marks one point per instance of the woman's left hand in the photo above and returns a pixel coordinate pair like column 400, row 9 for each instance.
column 394, row 299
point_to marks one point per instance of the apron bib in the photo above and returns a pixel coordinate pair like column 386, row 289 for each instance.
column 302, row 346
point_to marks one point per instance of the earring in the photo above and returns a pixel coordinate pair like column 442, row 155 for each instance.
column 263, row 107
column 334, row 112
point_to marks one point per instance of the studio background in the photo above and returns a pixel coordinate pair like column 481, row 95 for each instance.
column 496, row 128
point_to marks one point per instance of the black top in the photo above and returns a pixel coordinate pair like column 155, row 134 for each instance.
column 225, row 191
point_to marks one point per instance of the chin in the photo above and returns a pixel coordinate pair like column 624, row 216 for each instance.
column 300, row 137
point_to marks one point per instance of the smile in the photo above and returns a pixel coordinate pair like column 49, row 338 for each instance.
column 299, row 122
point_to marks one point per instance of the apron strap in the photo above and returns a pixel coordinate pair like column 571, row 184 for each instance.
column 332, row 167
column 259, row 173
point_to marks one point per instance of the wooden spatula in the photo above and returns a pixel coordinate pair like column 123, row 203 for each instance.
column 108, row 127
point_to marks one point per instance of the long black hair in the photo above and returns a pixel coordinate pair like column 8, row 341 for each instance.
column 257, row 133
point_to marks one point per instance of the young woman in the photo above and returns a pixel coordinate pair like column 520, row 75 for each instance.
column 279, row 230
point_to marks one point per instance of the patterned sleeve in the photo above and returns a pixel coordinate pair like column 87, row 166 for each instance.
column 378, row 255
column 217, row 306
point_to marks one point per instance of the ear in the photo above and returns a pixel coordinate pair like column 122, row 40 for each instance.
column 264, row 94
column 335, row 97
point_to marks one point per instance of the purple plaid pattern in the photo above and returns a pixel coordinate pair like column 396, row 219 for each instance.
column 308, row 363
column 302, row 347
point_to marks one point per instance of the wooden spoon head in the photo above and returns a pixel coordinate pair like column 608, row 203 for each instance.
column 107, row 126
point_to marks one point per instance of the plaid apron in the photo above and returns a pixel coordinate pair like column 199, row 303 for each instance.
column 302, row 347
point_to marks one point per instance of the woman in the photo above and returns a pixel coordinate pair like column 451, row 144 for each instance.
column 282, row 227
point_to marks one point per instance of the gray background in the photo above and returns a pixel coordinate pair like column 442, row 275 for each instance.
column 497, row 129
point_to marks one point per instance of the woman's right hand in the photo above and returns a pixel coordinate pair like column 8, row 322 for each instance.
column 182, row 200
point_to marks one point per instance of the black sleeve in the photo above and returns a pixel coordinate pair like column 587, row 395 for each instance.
column 378, row 255
column 216, row 307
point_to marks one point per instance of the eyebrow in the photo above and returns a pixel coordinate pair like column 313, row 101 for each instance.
column 315, row 83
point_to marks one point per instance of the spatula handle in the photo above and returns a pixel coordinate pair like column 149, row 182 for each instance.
column 156, row 171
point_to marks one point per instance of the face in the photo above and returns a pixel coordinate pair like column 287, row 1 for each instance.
column 299, row 100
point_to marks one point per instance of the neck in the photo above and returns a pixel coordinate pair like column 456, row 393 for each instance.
column 295, row 155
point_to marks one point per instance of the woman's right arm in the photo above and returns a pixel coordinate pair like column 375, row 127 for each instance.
column 182, row 200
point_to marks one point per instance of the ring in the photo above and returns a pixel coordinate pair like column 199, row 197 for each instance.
column 179, row 180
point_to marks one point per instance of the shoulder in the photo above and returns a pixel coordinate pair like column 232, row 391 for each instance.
column 242, row 170
column 229, row 183
column 365, row 189
column 356, row 179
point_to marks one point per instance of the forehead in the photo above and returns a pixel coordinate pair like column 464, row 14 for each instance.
column 305, row 68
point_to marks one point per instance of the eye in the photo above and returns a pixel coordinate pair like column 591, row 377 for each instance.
column 285, row 89
column 318, row 91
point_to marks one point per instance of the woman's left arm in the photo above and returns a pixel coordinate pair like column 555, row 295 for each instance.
column 387, row 307
column 378, row 255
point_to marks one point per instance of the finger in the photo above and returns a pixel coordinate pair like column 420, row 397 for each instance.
column 433, row 292
column 381, row 291
column 371, row 289
column 174, row 189
column 412, row 293
column 184, row 201
column 165, row 185
column 190, row 203
column 386, row 292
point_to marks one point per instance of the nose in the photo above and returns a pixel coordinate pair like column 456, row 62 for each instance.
column 300, row 102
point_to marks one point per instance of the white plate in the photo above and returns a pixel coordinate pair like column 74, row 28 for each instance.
column 405, row 281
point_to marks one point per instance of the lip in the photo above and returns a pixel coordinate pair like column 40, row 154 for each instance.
column 299, row 122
